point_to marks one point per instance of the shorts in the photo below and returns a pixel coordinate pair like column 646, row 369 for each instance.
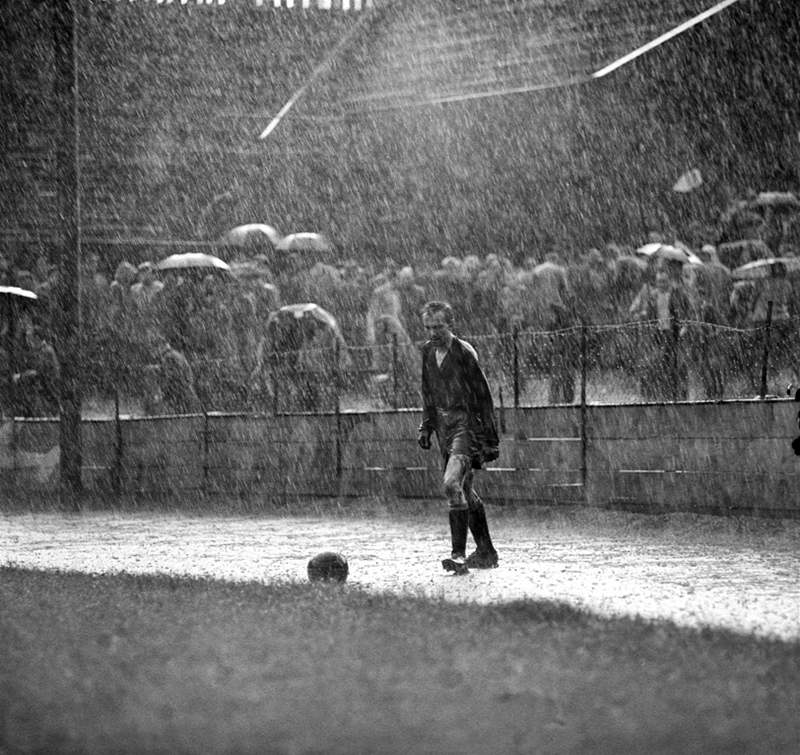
column 455, row 434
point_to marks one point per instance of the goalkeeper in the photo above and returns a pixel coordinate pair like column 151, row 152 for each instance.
column 457, row 406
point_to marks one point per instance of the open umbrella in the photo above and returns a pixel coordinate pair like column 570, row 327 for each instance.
column 304, row 242
column 648, row 250
column 665, row 251
column 307, row 309
column 689, row 181
column 190, row 260
column 22, row 293
column 784, row 201
column 766, row 268
column 736, row 253
column 251, row 234
column 11, row 298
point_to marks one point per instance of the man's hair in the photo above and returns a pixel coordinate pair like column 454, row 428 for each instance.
column 432, row 307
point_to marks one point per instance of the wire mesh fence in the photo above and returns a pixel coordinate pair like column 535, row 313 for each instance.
column 628, row 363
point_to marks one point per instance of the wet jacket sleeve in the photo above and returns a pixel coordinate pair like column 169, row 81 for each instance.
column 482, row 407
column 428, row 424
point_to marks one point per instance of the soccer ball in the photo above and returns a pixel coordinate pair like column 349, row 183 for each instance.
column 328, row 566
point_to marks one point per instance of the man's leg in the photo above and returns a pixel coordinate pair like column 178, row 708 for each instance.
column 457, row 467
column 485, row 555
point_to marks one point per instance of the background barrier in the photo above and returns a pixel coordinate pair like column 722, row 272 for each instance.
column 709, row 457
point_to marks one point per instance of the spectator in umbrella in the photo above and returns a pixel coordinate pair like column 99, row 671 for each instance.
column 449, row 281
column 37, row 381
column 710, row 347
column 551, row 277
column 640, row 305
column 777, row 289
column 317, row 362
column 5, row 271
column 353, row 301
column 90, row 271
column 717, row 279
column 667, row 305
column 489, row 286
column 124, row 278
column 384, row 301
column 590, row 281
column 168, row 380
column 117, row 335
column 558, row 306
column 146, row 288
column 412, row 297
column 212, row 350
column 395, row 358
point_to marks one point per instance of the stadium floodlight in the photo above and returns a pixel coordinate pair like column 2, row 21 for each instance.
column 315, row 74
column 699, row 18
column 574, row 76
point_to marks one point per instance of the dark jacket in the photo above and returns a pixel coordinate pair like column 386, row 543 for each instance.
column 458, row 384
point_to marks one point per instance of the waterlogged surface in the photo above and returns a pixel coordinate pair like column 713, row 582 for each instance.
column 746, row 588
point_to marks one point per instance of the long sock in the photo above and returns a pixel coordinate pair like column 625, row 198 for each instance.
column 459, row 519
column 479, row 527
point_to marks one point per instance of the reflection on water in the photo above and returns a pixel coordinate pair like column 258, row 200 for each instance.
column 744, row 588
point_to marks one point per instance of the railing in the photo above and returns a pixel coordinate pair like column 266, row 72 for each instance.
column 630, row 363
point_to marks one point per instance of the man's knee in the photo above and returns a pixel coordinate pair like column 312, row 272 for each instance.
column 454, row 494
column 453, row 483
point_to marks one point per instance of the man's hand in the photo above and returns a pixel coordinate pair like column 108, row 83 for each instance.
column 424, row 439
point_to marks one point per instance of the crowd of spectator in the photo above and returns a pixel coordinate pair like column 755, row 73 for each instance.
column 199, row 338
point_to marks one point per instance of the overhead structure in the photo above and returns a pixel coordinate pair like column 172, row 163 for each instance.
column 445, row 52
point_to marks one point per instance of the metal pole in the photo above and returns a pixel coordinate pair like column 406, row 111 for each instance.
column 502, row 408
column 68, row 335
column 11, row 350
column 674, row 358
column 273, row 378
column 584, row 439
column 205, row 451
column 394, row 371
column 116, row 481
column 515, row 344
column 338, row 414
column 765, row 358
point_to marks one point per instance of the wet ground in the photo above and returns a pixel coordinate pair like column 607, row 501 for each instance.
column 750, row 587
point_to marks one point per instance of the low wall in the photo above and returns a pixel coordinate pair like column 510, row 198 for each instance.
column 707, row 457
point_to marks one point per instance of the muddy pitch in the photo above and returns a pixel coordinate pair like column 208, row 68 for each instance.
column 742, row 586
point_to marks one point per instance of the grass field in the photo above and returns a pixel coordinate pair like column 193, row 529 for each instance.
column 126, row 663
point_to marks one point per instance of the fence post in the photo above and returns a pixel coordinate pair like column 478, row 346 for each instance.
column 395, row 402
column 116, row 474
column 273, row 379
column 515, row 344
column 502, row 408
column 584, row 439
column 336, row 380
column 673, row 362
column 765, row 358
column 205, row 451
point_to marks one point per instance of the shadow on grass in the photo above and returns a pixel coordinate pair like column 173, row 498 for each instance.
column 95, row 663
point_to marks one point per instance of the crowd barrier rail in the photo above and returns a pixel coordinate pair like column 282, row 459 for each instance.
column 730, row 457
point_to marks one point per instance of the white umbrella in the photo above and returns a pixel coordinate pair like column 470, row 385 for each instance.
column 192, row 260
column 16, row 291
column 758, row 269
column 251, row 233
column 667, row 252
column 777, row 200
column 648, row 250
column 304, row 242
column 689, row 181
column 307, row 309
